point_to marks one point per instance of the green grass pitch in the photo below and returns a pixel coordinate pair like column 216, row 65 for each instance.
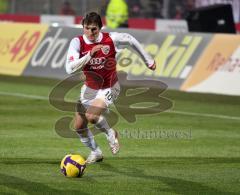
column 196, row 150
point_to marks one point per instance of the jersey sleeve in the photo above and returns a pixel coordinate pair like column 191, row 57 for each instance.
column 73, row 62
column 124, row 39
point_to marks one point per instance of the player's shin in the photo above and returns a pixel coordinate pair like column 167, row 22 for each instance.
column 87, row 138
column 112, row 135
column 103, row 126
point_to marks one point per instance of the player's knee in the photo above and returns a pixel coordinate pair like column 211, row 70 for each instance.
column 91, row 118
column 78, row 125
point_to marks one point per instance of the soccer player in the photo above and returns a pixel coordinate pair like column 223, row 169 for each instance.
column 94, row 53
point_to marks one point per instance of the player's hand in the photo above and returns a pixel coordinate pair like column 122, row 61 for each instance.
column 95, row 49
column 153, row 66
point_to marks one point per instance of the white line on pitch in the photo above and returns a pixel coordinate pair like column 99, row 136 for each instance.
column 204, row 114
column 37, row 97
column 168, row 111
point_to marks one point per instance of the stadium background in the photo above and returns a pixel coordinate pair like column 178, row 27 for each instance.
column 190, row 148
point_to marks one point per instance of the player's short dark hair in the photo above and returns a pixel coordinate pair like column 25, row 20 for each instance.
column 92, row 18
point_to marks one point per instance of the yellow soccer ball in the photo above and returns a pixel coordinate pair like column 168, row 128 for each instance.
column 73, row 165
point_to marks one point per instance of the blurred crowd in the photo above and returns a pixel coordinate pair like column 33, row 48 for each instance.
column 169, row 9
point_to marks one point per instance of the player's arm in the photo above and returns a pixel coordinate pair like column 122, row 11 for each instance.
column 126, row 39
column 73, row 62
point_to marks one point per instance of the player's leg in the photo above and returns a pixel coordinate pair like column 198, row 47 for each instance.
column 94, row 116
column 109, row 95
column 86, row 136
column 111, row 134
column 94, row 111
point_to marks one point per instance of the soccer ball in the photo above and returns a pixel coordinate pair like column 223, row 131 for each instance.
column 73, row 165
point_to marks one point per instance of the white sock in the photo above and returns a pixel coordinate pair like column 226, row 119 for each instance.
column 87, row 139
column 103, row 125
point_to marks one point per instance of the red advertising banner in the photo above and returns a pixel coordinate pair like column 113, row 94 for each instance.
column 19, row 18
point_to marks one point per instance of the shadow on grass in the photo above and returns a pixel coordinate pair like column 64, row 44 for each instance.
column 13, row 161
column 176, row 185
column 162, row 160
column 30, row 187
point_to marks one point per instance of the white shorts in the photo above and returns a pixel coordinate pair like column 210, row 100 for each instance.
column 108, row 95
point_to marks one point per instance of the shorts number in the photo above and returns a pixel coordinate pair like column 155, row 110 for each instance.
column 109, row 95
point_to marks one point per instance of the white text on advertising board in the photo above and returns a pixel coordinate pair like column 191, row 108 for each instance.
column 50, row 52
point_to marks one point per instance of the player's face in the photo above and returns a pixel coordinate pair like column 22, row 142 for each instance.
column 91, row 31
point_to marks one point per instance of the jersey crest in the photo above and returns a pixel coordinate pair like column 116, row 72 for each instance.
column 106, row 49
